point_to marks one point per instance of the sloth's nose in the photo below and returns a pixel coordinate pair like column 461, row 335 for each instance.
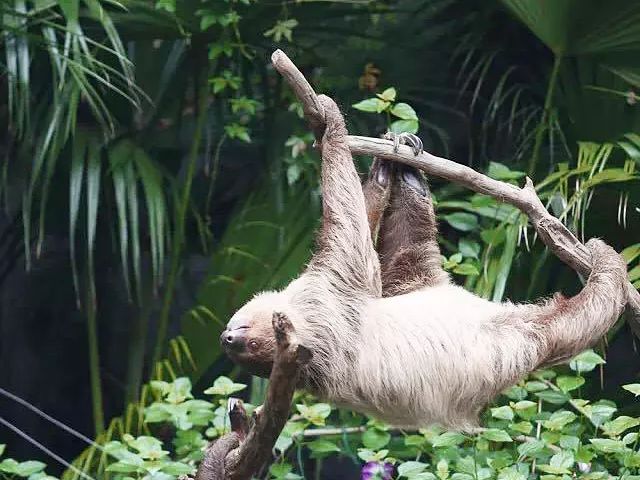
column 233, row 340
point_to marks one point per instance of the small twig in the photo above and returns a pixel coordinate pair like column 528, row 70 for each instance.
column 552, row 231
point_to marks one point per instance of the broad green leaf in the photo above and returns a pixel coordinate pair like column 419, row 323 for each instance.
column 567, row 384
column 466, row 269
column 586, row 361
column 618, row 425
column 469, row 248
column 323, row 446
column 404, row 111
column 569, row 442
column 522, row 427
column 556, row 398
column 410, row 469
column 389, row 95
column 463, row 221
column 448, row 439
column 375, row 439
column 504, row 413
column 531, row 449
column 224, row 386
column 316, row 413
column 496, row 435
column 404, row 126
column 373, row 105
column 511, row 473
column 608, row 446
column 280, row 470
column 559, row 419
column 500, row 171
column 633, row 388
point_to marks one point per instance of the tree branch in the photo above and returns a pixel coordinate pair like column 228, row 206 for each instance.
column 552, row 231
column 243, row 452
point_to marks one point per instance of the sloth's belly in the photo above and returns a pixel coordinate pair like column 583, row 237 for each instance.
column 428, row 357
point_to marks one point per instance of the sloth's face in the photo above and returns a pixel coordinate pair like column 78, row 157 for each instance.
column 249, row 339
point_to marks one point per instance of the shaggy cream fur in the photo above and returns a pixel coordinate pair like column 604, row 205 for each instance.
column 438, row 354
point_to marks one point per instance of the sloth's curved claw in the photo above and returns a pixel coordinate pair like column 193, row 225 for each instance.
column 404, row 138
column 414, row 142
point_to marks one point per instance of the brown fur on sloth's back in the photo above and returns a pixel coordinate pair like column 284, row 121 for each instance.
column 437, row 354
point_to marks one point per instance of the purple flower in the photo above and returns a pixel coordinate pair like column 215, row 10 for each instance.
column 377, row 471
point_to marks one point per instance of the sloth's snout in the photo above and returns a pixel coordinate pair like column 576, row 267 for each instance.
column 233, row 340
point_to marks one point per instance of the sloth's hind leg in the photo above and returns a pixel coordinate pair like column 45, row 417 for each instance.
column 408, row 248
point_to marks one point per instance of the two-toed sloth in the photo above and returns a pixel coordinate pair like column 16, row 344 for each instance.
column 390, row 335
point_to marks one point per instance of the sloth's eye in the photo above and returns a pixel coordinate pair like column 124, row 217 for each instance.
column 253, row 344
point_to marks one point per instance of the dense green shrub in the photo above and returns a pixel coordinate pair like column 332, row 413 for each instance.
column 540, row 428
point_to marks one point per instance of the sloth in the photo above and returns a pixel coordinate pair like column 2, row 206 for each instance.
column 390, row 334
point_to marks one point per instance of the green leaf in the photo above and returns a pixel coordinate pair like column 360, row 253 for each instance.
column 280, row 470
column 75, row 195
column 448, row 439
column 504, row 413
column 323, row 446
column 316, row 413
column 608, row 446
column 373, row 105
column 30, row 467
column 633, row 388
column 536, row 386
column 524, row 405
column 404, row 126
column 511, row 473
column 556, row 398
column 375, row 439
column 522, row 427
column 559, row 419
column 388, row 95
column 502, row 172
column 631, row 253
column 496, row 435
column 618, row 425
column 411, row 468
column 567, row 384
column 531, row 449
column 463, row 221
column 586, row 361
column 493, row 236
column 466, row 269
column 283, row 28
column 2, row 448
column 224, row 387
column 469, row 248
column 404, row 111
column 177, row 468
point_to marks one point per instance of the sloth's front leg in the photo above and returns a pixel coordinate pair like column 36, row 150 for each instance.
column 404, row 138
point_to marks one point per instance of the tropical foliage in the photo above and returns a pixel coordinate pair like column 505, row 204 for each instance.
column 153, row 141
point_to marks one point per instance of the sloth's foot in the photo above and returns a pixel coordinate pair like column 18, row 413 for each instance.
column 408, row 139
column 414, row 178
column 381, row 171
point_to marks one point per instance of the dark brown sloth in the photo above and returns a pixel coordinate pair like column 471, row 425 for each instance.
column 390, row 335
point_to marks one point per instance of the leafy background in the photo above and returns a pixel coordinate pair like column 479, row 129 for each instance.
column 156, row 173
